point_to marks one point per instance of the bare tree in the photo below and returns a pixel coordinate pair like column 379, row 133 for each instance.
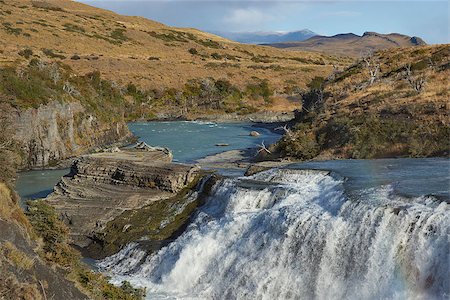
column 263, row 148
column 334, row 73
column 417, row 82
column 70, row 89
column 287, row 131
column 54, row 73
column 373, row 66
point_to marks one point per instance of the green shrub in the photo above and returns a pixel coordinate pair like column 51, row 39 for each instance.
column 118, row 34
column 216, row 55
column 259, row 89
column 73, row 28
column 54, row 234
column 303, row 145
column 27, row 53
column 51, row 54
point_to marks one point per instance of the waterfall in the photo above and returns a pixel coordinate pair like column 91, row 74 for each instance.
column 297, row 234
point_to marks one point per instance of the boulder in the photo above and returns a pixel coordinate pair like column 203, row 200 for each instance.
column 254, row 133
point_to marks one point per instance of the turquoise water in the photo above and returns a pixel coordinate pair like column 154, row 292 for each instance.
column 190, row 141
column 37, row 184
column 412, row 177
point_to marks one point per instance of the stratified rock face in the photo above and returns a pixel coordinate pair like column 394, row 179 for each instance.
column 58, row 131
column 102, row 186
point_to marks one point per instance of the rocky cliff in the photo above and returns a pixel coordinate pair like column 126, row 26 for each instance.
column 23, row 273
column 57, row 131
column 102, row 186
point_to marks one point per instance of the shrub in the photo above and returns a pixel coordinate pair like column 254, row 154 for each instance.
column 216, row 55
column 54, row 234
column 73, row 28
column 193, row 51
column 260, row 89
column 118, row 35
column 209, row 43
column 302, row 146
column 51, row 54
column 27, row 53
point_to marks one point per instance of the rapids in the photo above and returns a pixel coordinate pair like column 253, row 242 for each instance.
column 298, row 234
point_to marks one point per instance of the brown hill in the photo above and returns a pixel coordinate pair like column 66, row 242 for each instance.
column 149, row 54
column 350, row 44
column 392, row 104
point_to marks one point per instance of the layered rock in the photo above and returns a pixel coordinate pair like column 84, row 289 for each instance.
column 102, row 186
column 57, row 131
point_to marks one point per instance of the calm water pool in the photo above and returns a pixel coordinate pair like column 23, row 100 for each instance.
column 190, row 141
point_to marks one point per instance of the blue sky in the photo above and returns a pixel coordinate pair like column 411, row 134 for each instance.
column 426, row 19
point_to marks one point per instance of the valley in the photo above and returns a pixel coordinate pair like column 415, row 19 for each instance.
column 164, row 162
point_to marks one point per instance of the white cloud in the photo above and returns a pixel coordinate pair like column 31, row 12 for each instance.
column 247, row 17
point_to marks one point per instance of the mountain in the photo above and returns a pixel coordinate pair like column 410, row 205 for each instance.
column 261, row 37
column 350, row 44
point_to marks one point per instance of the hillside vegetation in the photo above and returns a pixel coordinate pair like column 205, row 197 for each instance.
column 392, row 104
column 152, row 57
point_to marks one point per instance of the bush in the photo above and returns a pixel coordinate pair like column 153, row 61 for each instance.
column 54, row 234
column 27, row 53
column 118, row 35
column 303, row 145
column 193, row 51
column 51, row 54
column 216, row 55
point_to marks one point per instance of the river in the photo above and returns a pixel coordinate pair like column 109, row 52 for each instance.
column 345, row 229
column 188, row 142
column 366, row 229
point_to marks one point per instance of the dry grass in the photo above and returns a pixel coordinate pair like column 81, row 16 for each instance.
column 120, row 47
column 16, row 257
column 388, row 118
column 352, row 94
column 10, row 210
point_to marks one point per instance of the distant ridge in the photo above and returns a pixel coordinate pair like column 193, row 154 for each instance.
column 350, row 44
column 261, row 37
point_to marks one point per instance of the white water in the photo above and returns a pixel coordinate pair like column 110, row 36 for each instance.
column 291, row 234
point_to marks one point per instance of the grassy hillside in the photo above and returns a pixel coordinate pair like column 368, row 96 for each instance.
column 402, row 109
column 353, row 45
column 150, row 55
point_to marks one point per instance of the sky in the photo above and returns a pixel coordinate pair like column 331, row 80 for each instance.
column 426, row 19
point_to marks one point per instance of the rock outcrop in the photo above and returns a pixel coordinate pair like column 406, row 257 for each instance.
column 102, row 186
column 23, row 272
column 57, row 131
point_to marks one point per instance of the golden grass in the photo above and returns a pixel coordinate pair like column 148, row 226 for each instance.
column 85, row 31
column 10, row 210
column 16, row 257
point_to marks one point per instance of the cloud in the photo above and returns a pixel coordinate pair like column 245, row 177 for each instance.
column 247, row 17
